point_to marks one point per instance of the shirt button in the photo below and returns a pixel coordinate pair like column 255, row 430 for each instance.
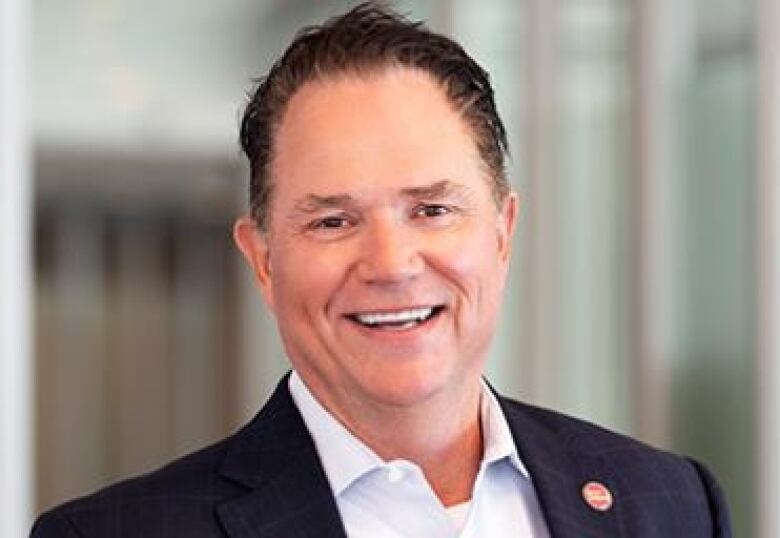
column 395, row 474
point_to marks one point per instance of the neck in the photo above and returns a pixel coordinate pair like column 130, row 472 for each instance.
column 442, row 435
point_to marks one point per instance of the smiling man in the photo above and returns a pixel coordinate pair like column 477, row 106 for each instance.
column 379, row 235
column 385, row 320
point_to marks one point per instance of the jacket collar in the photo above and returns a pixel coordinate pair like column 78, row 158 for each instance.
column 275, row 458
column 289, row 494
column 560, row 464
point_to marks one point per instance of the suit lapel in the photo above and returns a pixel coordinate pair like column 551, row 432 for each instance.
column 559, row 469
column 275, row 458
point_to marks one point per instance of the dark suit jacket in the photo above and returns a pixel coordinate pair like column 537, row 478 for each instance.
column 267, row 481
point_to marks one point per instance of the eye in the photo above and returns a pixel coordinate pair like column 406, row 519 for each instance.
column 331, row 223
column 331, row 226
column 432, row 210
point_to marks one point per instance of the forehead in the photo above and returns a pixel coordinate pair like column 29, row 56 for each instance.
column 392, row 126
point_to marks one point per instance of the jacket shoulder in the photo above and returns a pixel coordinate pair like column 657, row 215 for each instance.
column 653, row 484
column 184, row 497
column 184, row 491
column 575, row 433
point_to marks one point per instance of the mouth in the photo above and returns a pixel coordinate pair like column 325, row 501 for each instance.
column 396, row 320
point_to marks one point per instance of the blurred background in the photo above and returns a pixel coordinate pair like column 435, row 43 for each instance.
column 643, row 295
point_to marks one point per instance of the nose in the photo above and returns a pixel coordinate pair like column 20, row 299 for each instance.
column 390, row 253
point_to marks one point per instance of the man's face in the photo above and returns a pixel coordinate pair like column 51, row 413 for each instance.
column 386, row 256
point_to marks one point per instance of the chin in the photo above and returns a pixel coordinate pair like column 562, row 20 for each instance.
column 405, row 388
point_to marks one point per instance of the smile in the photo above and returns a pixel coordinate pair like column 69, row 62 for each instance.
column 397, row 320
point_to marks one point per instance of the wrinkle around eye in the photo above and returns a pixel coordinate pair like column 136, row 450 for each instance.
column 330, row 227
column 438, row 215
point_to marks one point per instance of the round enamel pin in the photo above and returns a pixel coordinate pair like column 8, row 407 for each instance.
column 597, row 496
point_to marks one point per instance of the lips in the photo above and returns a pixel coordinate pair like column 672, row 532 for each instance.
column 397, row 320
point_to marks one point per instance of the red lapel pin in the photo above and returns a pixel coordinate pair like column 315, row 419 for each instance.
column 597, row 496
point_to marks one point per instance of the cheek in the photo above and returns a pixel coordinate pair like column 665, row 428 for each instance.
column 472, row 267
column 306, row 279
column 474, row 260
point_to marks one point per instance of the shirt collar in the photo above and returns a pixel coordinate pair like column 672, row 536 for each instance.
column 345, row 458
column 497, row 436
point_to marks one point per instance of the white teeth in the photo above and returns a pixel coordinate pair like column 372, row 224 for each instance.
column 403, row 316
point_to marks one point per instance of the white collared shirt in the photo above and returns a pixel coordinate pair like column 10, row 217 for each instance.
column 379, row 499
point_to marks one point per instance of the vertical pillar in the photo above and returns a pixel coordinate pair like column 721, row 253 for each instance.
column 768, row 200
column 650, row 200
column 538, row 257
column 16, row 447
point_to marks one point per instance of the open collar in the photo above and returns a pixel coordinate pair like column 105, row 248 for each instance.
column 345, row 458
column 289, row 495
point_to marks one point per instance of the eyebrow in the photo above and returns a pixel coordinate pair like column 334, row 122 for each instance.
column 312, row 203
column 439, row 189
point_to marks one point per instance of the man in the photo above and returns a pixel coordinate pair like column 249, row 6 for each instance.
column 379, row 235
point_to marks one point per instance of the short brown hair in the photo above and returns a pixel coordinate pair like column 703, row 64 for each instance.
column 368, row 38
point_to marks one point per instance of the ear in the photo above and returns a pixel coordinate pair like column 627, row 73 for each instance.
column 253, row 244
column 507, row 219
